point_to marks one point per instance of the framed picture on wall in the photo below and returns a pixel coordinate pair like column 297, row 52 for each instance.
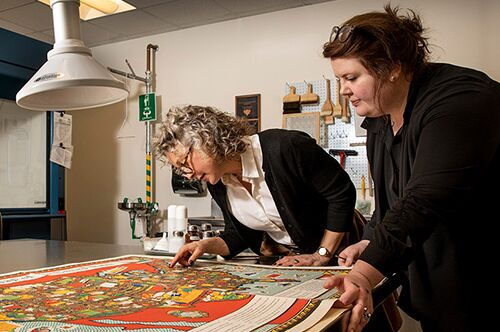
column 248, row 107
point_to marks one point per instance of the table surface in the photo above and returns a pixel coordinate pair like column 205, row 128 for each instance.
column 29, row 254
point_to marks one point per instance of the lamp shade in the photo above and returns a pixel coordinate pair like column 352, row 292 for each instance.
column 71, row 79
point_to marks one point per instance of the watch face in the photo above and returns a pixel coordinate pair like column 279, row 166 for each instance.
column 322, row 251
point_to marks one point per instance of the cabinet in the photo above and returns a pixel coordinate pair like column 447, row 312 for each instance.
column 43, row 226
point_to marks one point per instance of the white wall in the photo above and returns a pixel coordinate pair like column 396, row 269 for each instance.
column 210, row 65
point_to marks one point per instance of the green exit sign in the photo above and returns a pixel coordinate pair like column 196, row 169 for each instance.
column 147, row 107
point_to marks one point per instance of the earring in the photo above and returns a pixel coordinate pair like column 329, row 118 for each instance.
column 392, row 79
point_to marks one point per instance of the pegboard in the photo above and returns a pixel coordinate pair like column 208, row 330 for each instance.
column 340, row 135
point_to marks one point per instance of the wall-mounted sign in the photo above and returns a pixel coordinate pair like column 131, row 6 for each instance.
column 147, row 107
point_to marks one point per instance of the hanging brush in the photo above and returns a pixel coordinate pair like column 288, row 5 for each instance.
column 327, row 108
column 309, row 97
column 291, row 102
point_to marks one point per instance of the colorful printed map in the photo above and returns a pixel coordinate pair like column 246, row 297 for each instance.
column 141, row 293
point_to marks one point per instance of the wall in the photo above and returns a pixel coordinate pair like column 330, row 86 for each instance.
column 210, row 65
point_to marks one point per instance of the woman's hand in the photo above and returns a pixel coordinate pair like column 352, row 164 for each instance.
column 303, row 260
column 356, row 291
column 188, row 253
column 349, row 255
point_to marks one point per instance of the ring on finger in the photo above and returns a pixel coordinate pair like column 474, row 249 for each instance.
column 296, row 261
column 366, row 315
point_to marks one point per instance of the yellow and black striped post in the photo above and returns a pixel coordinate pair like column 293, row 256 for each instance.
column 148, row 178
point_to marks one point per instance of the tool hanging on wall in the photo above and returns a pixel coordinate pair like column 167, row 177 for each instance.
column 346, row 117
column 370, row 182
column 363, row 205
column 309, row 97
column 337, row 109
column 291, row 102
column 327, row 108
column 342, row 154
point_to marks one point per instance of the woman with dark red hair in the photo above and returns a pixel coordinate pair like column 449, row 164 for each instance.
column 433, row 146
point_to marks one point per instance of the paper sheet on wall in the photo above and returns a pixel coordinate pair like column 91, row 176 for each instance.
column 61, row 155
column 62, row 151
column 63, row 125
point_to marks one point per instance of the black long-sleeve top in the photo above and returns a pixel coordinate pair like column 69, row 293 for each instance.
column 310, row 189
column 436, row 192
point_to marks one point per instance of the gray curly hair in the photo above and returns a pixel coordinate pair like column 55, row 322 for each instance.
column 216, row 133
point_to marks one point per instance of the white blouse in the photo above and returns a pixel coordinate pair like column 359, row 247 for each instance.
column 256, row 210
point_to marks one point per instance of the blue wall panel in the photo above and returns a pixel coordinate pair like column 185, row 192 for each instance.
column 20, row 58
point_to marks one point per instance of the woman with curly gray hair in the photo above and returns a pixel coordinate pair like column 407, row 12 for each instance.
column 277, row 186
column 185, row 129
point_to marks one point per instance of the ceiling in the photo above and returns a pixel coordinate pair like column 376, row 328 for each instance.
column 34, row 19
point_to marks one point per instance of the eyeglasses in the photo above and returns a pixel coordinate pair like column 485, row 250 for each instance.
column 184, row 168
column 341, row 34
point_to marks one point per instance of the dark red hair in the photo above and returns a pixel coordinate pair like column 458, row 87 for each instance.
column 382, row 41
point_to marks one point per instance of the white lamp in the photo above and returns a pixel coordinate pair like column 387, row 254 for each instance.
column 71, row 79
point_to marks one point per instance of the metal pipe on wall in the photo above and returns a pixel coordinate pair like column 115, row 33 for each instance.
column 149, row 89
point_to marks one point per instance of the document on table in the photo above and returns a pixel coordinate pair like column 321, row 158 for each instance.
column 262, row 310
column 309, row 289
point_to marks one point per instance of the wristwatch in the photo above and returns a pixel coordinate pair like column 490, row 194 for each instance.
column 322, row 251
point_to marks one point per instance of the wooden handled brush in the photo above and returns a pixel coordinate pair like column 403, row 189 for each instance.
column 309, row 97
column 337, row 109
column 327, row 108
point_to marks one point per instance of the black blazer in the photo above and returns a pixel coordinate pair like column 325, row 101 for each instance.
column 310, row 189
column 441, row 223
